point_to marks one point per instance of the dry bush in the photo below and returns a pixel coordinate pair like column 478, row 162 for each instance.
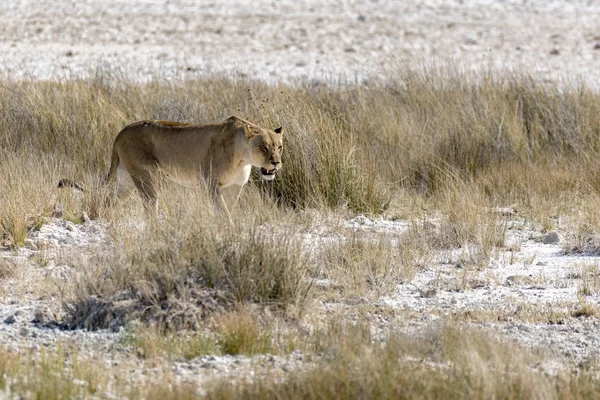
column 586, row 240
column 241, row 332
column 584, row 227
column 590, row 279
column 468, row 124
column 188, row 263
column 468, row 220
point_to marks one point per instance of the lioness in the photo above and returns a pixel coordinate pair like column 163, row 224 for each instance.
column 221, row 154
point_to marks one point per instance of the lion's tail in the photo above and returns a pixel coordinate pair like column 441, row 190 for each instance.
column 114, row 164
column 63, row 183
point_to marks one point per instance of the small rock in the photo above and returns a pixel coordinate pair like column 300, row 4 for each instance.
column 476, row 283
column 428, row 293
column 362, row 220
column 69, row 53
column 504, row 211
column 24, row 332
column 46, row 244
column 524, row 328
column 353, row 301
column 597, row 46
column 554, row 52
column 362, row 18
column 59, row 211
column 86, row 218
column 30, row 244
column 513, row 280
column 551, row 238
column 38, row 316
column 10, row 320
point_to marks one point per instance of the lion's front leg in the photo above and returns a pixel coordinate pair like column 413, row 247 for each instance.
column 230, row 196
column 226, row 198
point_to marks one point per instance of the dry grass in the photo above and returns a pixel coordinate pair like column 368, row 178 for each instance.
column 349, row 361
column 242, row 333
column 441, row 148
column 361, row 265
column 186, row 264
column 440, row 363
column 66, row 374
column 152, row 341
column 510, row 139
column 58, row 375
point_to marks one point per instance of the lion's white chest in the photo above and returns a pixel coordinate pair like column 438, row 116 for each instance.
column 240, row 178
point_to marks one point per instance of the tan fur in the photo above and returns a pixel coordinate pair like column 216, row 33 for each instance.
column 220, row 154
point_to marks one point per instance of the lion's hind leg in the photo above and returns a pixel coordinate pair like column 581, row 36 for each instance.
column 145, row 182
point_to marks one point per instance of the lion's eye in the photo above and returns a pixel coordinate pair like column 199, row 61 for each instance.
column 263, row 147
column 280, row 148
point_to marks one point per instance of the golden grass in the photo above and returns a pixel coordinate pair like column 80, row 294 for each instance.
column 440, row 148
column 444, row 362
column 510, row 138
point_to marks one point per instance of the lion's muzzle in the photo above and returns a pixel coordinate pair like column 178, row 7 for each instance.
column 268, row 174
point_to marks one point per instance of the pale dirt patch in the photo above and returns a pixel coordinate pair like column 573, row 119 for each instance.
column 284, row 40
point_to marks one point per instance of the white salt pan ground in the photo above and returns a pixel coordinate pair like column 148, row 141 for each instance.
column 282, row 40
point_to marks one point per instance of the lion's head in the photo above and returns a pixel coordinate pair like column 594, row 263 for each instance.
column 265, row 148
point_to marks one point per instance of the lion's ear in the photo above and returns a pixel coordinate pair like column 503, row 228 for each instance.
column 250, row 131
column 278, row 130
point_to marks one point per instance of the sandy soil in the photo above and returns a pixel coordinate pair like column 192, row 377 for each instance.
column 281, row 40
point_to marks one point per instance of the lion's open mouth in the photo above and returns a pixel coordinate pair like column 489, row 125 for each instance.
column 268, row 173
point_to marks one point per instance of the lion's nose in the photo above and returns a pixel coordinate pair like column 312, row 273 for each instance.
column 275, row 163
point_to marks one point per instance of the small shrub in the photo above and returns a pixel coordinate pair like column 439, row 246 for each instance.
column 241, row 333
